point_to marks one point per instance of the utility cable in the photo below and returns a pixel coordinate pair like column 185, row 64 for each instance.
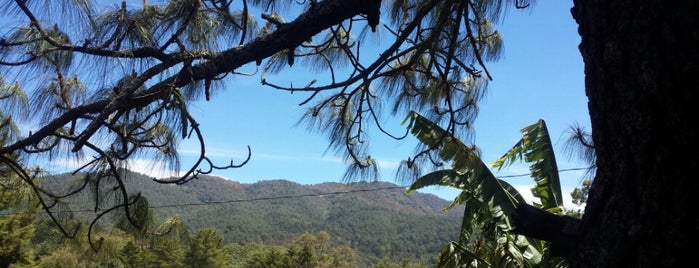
column 270, row 198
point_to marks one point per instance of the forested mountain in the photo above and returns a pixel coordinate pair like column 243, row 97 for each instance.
column 376, row 219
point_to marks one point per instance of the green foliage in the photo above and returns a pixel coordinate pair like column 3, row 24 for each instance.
column 62, row 258
column 172, row 227
column 375, row 223
column 486, row 233
column 131, row 255
column 268, row 258
column 307, row 250
column 536, row 148
column 206, row 250
column 167, row 252
column 170, row 54
column 386, row 263
column 47, row 238
column 176, row 50
column 63, row 252
column 579, row 196
column 16, row 232
column 367, row 227
column 17, row 213
column 140, row 220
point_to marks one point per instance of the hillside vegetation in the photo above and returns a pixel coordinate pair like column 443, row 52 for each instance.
column 377, row 219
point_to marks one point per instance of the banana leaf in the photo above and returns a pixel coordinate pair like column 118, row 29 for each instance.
column 536, row 148
column 482, row 193
column 467, row 168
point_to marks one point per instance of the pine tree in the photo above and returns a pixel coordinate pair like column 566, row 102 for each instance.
column 69, row 58
column 206, row 250
column 182, row 51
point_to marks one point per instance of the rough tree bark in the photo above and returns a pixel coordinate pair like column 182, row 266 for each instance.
column 641, row 76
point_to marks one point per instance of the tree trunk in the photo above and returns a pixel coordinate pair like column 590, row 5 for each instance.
column 641, row 78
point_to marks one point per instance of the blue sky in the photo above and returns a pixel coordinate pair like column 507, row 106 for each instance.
column 540, row 75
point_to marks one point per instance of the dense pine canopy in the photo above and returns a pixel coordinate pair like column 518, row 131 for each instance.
column 106, row 82
column 102, row 82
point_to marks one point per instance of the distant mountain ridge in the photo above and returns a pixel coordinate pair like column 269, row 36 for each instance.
column 378, row 219
column 385, row 193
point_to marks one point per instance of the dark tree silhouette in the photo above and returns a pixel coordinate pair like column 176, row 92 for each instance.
column 65, row 61
column 109, row 85
column 641, row 62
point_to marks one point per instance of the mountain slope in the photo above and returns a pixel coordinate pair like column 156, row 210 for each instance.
column 377, row 219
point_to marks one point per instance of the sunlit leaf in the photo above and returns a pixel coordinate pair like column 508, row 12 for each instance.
column 481, row 191
column 536, row 148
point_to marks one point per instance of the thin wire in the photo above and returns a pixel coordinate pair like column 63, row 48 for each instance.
column 279, row 197
column 560, row 170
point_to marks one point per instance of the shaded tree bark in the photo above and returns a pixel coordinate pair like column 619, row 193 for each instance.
column 641, row 77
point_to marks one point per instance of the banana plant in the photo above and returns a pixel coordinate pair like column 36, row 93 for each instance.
column 486, row 237
column 536, row 148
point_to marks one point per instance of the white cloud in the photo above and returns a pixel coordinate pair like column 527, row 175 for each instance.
column 148, row 167
column 157, row 169
column 525, row 191
column 216, row 153
column 388, row 164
